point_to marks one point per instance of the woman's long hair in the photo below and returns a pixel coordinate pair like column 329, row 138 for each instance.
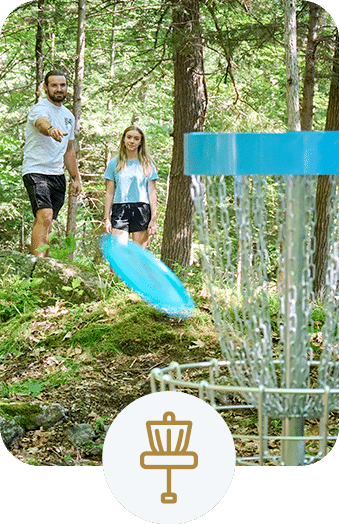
column 143, row 156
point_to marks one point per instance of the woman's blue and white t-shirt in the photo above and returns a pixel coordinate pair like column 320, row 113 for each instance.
column 130, row 183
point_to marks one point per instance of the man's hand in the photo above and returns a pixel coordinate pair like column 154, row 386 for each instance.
column 45, row 128
column 57, row 134
column 76, row 187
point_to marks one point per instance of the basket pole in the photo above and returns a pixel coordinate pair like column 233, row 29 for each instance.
column 295, row 351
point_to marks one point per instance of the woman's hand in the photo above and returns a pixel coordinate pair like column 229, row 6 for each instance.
column 107, row 227
column 152, row 227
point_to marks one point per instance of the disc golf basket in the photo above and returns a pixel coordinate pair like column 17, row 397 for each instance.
column 262, row 296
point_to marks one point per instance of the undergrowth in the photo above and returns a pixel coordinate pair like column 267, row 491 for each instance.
column 119, row 323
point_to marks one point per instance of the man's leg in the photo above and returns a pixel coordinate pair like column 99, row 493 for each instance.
column 41, row 229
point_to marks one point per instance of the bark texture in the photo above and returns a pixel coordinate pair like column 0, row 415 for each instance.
column 324, row 187
column 190, row 105
column 39, row 57
column 307, row 111
column 77, row 92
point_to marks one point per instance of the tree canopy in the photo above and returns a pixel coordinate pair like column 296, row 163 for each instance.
column 129, row 77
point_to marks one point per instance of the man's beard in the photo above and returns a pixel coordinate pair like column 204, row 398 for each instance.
column 57, row 97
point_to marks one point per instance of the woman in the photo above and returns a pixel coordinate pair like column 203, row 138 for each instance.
column 131, row 199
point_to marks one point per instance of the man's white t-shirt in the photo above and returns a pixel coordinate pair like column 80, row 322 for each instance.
column 42, row 154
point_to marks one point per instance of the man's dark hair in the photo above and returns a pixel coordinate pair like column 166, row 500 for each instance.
column 55, row 72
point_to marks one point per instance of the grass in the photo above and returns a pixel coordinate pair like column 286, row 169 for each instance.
column 33, row 387
column 17, row 296
column 120, row 323
column 74, row 335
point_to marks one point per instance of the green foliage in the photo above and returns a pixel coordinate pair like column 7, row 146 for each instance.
column 99, row 424
column 61, row 252
column 18, row 296
column 33, row 387
column 129, row 77
column 8, row 158
column 318, row 315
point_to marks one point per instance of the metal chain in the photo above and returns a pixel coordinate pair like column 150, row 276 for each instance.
column 329, row 365
column 231, row 220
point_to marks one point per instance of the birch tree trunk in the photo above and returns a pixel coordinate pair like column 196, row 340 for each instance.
column 307, row 111
column 292, row 72
column 39, row 57
column 79, row 75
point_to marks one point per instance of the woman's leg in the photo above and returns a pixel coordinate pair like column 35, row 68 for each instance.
column 123, row 235
column 141, row 238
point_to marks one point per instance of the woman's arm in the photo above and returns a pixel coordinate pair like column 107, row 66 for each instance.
column 152, row 193
column 109, row 195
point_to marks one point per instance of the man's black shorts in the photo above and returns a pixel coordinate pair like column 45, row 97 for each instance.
column 131, row 217
column 46, row 191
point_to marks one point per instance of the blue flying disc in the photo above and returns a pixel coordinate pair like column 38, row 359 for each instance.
column 147, row 276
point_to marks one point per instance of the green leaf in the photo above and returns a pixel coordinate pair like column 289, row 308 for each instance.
column 70, row 243
column 42, row 248
column 34, row 388
column 76, row 283
column 36, row 281
column 58, row 254
column 52, row 236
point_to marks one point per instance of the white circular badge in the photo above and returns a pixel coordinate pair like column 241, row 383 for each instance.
column 169, row 457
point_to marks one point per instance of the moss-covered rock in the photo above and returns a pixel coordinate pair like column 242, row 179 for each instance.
column 15, row 263
column 65, row 281
column 81, row 434
column 32, row 415
column 59, row 280
column 10, row 431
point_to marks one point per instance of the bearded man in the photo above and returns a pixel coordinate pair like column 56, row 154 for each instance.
column 48, row 148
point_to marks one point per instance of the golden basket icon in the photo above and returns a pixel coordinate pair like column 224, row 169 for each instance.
column 169, row 439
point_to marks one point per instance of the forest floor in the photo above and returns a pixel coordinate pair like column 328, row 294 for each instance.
column 95, row 359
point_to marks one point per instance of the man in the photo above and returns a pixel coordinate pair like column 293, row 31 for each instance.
column 48, row 148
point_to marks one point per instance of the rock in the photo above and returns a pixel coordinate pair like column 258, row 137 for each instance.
column 10, row 431
column 34, row 415
column 59, row 280
column 51, row 414
column 81, row 434
column 98, row 445
column 15, row 263
column 66, row 281
column 222, row 396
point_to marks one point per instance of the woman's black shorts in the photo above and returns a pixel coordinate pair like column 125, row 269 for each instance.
column 131, row 217
column 46, row 191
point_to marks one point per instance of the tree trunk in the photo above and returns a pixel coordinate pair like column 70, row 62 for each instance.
column 307, row 111
column 324, row 186
column 108, row 148
column 291, row 59
column 190, row 105
column 79, row 75
column 39, row 57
